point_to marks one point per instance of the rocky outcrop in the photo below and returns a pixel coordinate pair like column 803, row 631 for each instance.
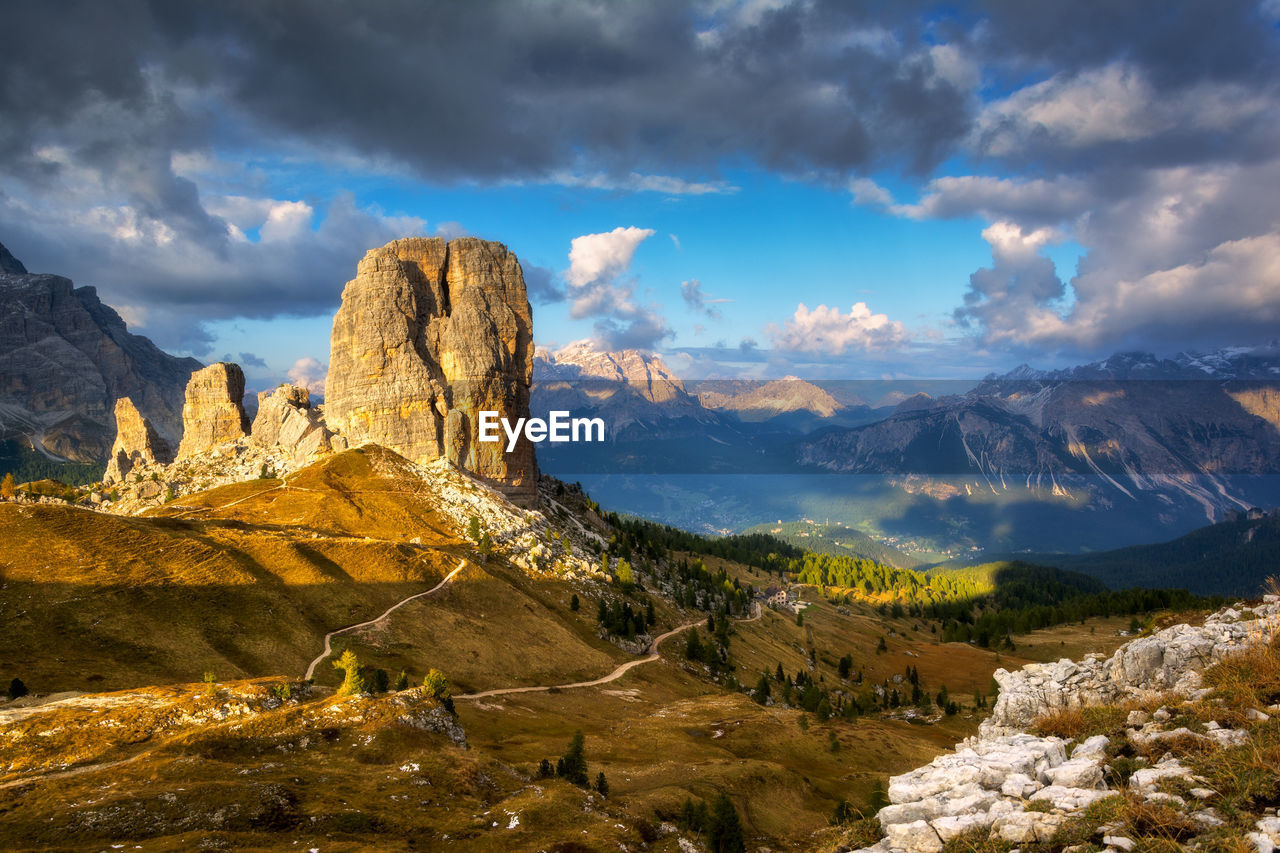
column 65, row 358
column 137, row 443
column 1022, row 788
column 429, row 334
column 9, row 264
column 1170, row 660
column 213, row 413
column 285, row 419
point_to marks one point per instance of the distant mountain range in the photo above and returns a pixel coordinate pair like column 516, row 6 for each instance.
column 1191, row 429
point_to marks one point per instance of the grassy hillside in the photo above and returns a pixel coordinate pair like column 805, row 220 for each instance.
column 243, row 582
column 1228, row 558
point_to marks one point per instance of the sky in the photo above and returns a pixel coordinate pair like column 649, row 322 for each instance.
column 749, row 187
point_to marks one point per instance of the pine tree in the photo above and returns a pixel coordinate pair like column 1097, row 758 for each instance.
column 402, row 681
column 574, row 603
column 573, row 766
column 602, row 784
column 545, row 770
column 724, row 829
column 473, row 529
column 381, row 681
column 762, row 689
column 352, row 681
column 7, row 487
column 16, row 689
column 693, row 646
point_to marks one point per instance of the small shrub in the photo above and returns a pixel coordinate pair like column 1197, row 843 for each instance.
column 17, row 689
column 210, row 683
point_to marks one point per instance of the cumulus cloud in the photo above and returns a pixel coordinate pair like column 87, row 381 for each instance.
column 1012, row 297
column 1186, row 257
column 698, row 302
column 597, row 258
column 310, row 373
column 598, row 287
column 105, row 161
column 828, row 332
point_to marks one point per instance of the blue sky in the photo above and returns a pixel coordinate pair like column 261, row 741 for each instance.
column 758, row 188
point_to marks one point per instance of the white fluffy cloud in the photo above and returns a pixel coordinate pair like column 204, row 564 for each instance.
column 598, row 287
column 826, row 331
column 596, row 258
column 310, row 373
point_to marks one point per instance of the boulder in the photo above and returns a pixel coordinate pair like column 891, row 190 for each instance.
column 137, row 443
column 213, row 413
column 429, row 334
column 286, row 420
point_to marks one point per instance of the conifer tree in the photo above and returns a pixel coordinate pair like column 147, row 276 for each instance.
column 353, row 680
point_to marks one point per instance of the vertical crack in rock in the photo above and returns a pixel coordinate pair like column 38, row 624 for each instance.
column 429, row 334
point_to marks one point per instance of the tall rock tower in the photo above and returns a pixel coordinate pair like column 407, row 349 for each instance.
column 429, row 334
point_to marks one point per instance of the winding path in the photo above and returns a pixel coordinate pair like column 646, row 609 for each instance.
column 328, row 648
column 622, row 670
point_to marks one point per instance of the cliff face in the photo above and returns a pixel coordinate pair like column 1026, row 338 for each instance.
column 429, row 334
column 213, row 413
column 137, row 443
column 65, row 358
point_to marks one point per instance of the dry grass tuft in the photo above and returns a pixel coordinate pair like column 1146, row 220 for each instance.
column 1081, row 722
column 1159, row 823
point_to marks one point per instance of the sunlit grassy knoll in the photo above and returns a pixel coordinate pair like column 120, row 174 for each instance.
column 355, row 493
column 93, row 601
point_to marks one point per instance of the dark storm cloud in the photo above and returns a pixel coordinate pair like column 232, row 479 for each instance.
column 491, row 89
column 97, row 102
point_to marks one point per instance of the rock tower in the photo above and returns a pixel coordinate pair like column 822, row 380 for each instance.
column 137, row 443
column 213, row 413
column 429, row 334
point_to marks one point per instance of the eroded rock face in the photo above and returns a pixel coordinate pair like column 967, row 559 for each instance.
column 137, row 443
column 285, row 419
column 429, row 334
column 65, row 358
column 213, row 413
